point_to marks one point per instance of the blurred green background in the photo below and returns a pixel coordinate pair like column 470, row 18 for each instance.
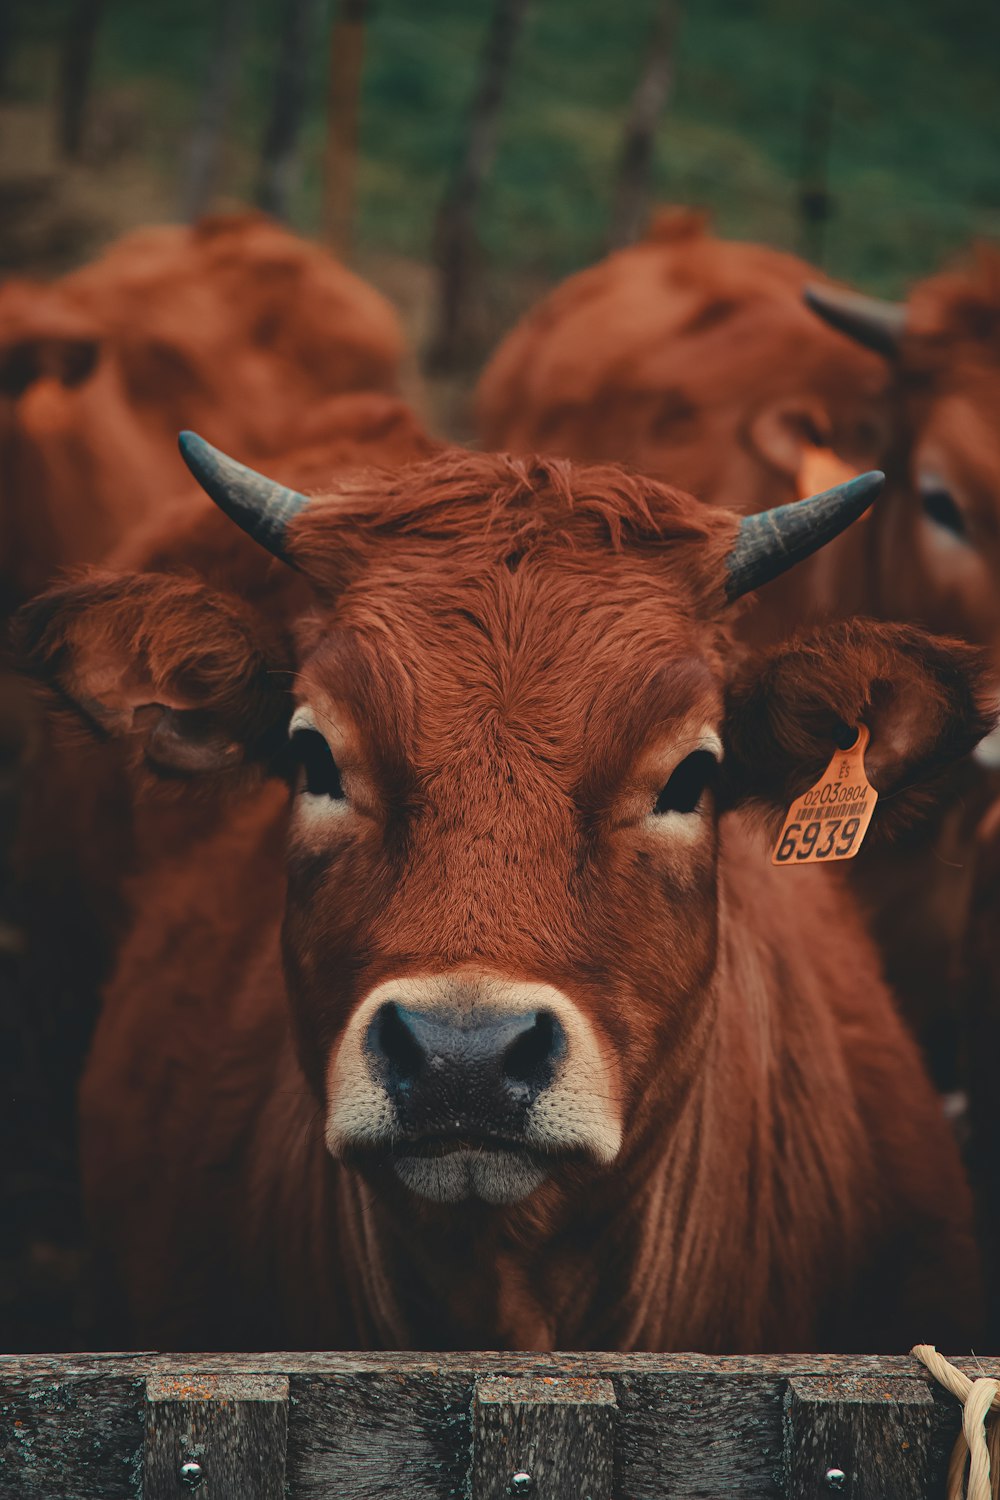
column 914, row 126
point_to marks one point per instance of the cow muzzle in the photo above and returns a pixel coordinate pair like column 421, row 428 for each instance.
column 470, row 1088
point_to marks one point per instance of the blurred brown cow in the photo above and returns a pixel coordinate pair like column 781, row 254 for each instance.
column 234, row 325
column 932, row 552
column 693, row 359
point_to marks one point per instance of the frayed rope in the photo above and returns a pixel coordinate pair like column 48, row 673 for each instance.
column 978, row 1444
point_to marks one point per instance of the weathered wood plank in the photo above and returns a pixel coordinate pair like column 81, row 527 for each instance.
column 700, row 1435
column 547, row 1437
column 72, row 1440
column 223, row 1435
column 574, row 1362
column 379, row 1437
column 861, row 1439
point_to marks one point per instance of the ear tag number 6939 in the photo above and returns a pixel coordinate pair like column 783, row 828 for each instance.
column 830, row 820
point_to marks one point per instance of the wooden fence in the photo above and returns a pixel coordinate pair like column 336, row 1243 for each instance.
column 472, row 1427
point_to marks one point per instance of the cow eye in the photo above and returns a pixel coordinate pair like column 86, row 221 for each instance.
column 321, row 774
column 941, row 507
column 687, row 785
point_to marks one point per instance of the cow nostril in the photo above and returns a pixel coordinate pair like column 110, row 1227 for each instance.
column 530, row 1059
column 393, row 1041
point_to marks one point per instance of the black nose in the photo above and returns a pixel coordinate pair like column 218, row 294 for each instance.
column 454, row 1078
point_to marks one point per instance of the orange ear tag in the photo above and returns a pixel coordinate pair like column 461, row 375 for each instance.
column 830, row 821
column 821, row 469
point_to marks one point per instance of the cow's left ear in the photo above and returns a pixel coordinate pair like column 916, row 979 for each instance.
column 186, row 674
column 926, row 700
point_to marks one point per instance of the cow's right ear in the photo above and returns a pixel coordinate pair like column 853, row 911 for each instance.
column 190, row 675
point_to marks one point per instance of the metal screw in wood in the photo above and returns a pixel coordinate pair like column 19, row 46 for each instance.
column 835, row 1479
column 521, row 1483
column 191, row 1474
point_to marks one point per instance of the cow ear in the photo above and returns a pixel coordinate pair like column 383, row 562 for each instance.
column 783, row 431
column 927, row 701
column 190, row 675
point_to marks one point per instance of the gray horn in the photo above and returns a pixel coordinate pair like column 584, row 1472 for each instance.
column 867, row 320
column 774, row 540
column 262, row 507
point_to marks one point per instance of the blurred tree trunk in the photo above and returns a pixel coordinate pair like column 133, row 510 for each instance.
column 635, row 161
column 75, row 70
column 8, row 41
column 347, row 52
column 205, row 156
column 815, row 203
column 456, row 250
column 278, row 157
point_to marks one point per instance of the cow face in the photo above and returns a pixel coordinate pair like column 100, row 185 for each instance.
column 938, row 542
column 935, row 541
column 493, row 790
column 514, row 724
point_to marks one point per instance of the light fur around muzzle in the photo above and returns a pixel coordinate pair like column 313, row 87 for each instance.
column 578, row 1112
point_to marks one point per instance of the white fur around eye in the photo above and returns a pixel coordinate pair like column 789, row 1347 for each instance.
column 687, row 822
column 315, row 806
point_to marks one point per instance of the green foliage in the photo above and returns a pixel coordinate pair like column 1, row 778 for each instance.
column 914, row 125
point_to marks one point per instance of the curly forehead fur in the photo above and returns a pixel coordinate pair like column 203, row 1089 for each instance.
column 515, row 600
column 463, row 515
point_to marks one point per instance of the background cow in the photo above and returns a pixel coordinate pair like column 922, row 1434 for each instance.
column 547, row 1053
column 932, row 554
column 234, row 325
column 693, row 358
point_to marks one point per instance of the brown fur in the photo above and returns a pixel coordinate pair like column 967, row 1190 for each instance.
column 694, row 359
column 234, row 327
column 511, row 637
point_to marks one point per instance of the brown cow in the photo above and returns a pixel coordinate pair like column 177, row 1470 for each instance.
column 501, row 1030
column 931, row 554
column 693, row 359
column 234, row 325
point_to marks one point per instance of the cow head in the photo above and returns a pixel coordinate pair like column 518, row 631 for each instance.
column 935, row 540
column 692, row 358
column 515, row 718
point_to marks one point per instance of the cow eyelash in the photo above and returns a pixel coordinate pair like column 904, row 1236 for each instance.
column 321, row 774
column 688, row 784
